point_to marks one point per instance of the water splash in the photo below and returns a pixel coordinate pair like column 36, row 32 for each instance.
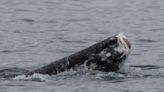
column 83, row 73
column 35, row 77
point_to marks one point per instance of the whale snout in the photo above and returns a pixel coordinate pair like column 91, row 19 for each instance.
column 124, row 40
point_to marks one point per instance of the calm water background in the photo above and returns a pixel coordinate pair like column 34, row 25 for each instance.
column 36, row 32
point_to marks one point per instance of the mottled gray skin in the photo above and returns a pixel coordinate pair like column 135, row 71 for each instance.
column 90, row 55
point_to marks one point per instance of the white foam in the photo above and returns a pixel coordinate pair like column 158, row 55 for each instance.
column 34, row 77
column 109, row 75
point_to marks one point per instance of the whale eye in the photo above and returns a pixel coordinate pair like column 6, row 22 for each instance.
column 113, row 40
column 127, row 42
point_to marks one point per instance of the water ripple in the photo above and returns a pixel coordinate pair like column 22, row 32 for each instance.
column 147, row 40
column 12, row 51
column 157, row 29
column 68, row 41
column 146, row 67
column 29, row 20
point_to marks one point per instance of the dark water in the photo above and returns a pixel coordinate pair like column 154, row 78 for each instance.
column 36, row 32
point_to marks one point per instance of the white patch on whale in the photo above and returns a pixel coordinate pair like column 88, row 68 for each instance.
column 123, row 45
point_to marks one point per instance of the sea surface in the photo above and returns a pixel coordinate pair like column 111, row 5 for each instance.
column 34, row 33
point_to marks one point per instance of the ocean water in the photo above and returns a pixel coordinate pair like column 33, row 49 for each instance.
column 34, row 33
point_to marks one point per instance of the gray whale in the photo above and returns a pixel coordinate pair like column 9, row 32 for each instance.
column 106, row 55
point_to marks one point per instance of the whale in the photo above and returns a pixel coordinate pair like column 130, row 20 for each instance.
column 107, row 55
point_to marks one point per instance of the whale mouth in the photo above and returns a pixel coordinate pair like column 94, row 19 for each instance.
column 124, row 46
column 124, row 40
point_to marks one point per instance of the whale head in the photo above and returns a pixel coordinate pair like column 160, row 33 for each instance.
column 113, row 56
